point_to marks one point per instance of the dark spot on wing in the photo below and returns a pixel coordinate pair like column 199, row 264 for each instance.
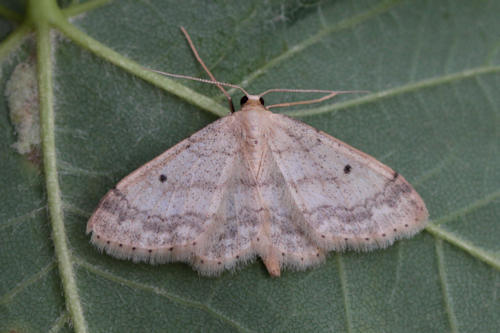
column 347, row 169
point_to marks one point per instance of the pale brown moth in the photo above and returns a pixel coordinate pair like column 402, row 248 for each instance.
column 255, row 183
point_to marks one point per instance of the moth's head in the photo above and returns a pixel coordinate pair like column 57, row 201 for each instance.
column 248, row 101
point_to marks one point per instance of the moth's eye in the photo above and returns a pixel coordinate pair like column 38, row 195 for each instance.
column 243, row 100
column 261, row 100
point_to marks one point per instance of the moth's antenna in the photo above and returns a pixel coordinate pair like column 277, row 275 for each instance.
column 197, row 56
column 214, row 82
column 220, row 85
column 330, row 94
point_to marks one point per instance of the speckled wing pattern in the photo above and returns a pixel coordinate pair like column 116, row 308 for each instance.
column 346, row 198
column 209, row 203
column 157, row 213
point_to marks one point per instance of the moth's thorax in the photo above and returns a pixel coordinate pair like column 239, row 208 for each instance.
column 254, row 121
column 254, row 124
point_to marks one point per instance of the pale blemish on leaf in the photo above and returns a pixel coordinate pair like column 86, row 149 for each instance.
column 22, row 97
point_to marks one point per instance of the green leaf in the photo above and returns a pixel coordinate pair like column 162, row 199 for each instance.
column 433, row 72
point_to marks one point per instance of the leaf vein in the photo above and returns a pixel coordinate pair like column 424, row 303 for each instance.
column 60, row 322
column 418, row 45
column 410, row 87
column 465, row 245
column 81, row 8
column 22, row 218
column 6, row 298
column 452, row 319
column 398, row 272
column 343, row 283
column 160, row 292
column 468, row 209
column 344, row 24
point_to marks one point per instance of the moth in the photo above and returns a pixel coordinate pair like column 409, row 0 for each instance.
column 255, row 183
